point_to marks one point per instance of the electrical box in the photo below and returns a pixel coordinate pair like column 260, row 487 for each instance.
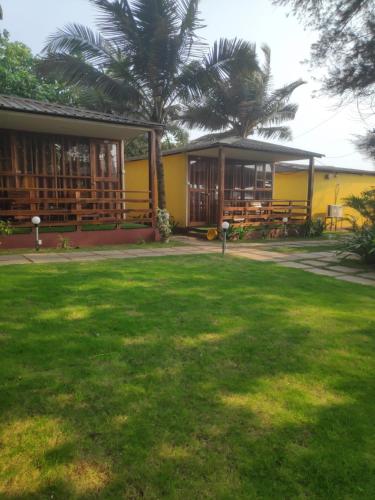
column 335, row 211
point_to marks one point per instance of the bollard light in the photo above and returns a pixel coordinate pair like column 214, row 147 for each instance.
column 224, row 227
column 36, row 221
column 285, row 222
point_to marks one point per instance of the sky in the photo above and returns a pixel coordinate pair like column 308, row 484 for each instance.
column 321, row 125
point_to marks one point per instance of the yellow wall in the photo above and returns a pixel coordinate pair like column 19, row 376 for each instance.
column 136, row 177
column 293, row 185
column 288, row 186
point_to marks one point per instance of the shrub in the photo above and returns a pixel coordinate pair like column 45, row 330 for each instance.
column 163, row 223
column 362, row 243
column 173, row 224
column 364, row 204
column 5, row 228
column 312, row 228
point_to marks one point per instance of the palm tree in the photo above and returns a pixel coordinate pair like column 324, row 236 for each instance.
column 146, row 59
column 364, row 204
column 242, row 102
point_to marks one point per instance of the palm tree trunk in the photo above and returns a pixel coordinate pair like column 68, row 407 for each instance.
column 160, row 170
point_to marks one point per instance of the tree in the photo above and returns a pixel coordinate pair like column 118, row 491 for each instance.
column 242, row 101
column 144, row 61
column 18, row 75
column 174, row 138
column 345, row 44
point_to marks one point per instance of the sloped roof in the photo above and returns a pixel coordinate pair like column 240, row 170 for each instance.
column 297, row 167
column 239, row 143
column 20, row 104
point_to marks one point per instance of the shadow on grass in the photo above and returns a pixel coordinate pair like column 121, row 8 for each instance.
column 185, row 377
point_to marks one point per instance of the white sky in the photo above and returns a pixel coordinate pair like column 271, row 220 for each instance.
column 320, row 125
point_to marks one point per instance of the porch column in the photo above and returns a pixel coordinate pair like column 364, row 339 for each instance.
column 310, row 187
column 221, row 177
column 152, row 176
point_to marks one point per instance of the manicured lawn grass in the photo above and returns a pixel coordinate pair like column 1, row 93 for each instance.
column 127, row 246
column 185, row 377
column 304, row 249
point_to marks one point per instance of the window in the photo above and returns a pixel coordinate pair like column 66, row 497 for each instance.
column 5, row 153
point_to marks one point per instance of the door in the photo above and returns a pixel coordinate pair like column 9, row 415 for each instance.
column 203, row 191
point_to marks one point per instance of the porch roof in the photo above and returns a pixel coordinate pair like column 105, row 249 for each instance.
column 330, row 169
column 37, row 116
column 244, row 149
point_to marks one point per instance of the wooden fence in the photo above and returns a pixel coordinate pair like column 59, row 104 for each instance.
column 76, row 206
column 246, row 213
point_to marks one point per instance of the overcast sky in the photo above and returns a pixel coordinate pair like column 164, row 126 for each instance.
column 320, row 125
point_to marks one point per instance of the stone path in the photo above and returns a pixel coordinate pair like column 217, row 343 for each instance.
column 324, row 263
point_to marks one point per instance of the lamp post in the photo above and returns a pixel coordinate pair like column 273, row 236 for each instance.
column 285, row 222
column 224, row 227
column 36, row 221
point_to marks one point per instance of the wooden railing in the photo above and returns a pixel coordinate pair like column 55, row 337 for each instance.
column 252, row 212
column 61, row 207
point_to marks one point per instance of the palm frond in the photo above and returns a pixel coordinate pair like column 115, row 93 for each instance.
column 75, row 71
column 190, row 44
column 80, row 40
column 116, row 20
column 285, row 92
column 204, row 117
column 282, row 133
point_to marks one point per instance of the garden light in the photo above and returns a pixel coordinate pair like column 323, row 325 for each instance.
column 36, row 221
column 285, row 222
column 224, row 227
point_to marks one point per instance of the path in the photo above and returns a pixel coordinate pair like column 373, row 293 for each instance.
column 324, row 263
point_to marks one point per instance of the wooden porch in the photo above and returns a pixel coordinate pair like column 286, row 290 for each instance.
column 70, row 181
column 258, row 213
column 240, row 191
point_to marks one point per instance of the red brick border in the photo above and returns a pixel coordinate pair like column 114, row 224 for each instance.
column 81, row 238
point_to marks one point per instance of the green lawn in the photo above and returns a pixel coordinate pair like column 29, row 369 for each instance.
column 126, row 246
column 185, row 377
column 304, row 249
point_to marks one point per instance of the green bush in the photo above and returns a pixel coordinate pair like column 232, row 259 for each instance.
column 5, row 228
column 364, row 204
column 362, row 243
column 312, row 228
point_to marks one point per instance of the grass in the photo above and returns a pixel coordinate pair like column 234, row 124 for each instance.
column 185, row 377
column 303, row 249
column 126, row 246
column 326, row 237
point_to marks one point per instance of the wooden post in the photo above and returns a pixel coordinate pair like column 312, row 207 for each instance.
column 221, row 179
column 153, row 186
column 310, row 187
column 78, row 207
column 122, row 181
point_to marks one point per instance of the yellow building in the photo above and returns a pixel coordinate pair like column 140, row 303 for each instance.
column 214, row 180
column 247, row 181
column 331, row 186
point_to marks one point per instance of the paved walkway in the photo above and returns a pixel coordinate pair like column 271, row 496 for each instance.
column 324, row 263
